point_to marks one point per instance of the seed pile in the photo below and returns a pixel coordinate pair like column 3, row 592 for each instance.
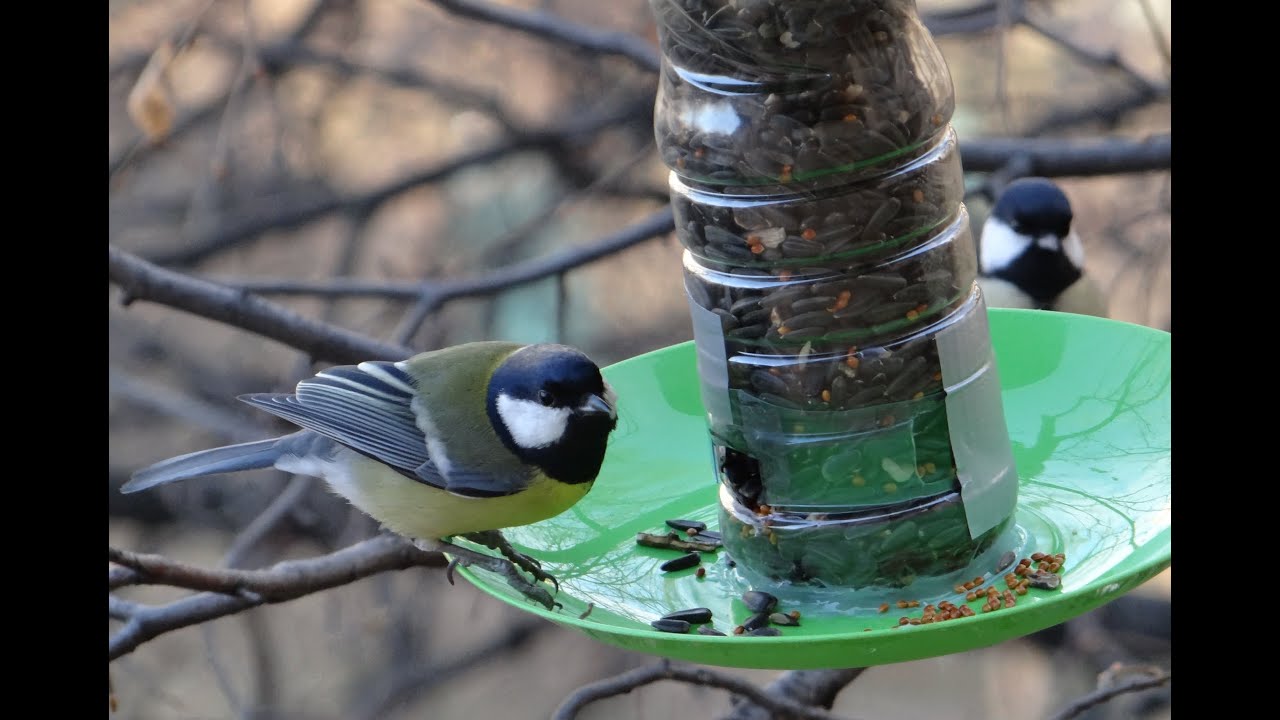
column 889, row 549
column 1018, row 583
column 817, row 189
column 1039, row 571
column 738, row 227
column 698, row 540
column 764, row 620
column 791, row 90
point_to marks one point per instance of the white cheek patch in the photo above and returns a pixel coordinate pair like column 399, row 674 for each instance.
column 1000, row 245
column 1074, row 249
column 532, row 425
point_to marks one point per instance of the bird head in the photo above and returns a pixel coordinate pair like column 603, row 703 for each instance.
column 551, row 407
column 1028, row 241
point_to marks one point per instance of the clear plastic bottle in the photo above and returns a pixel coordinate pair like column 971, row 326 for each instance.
column 846, row 365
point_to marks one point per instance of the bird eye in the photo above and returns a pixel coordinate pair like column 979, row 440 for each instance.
column 545, row 398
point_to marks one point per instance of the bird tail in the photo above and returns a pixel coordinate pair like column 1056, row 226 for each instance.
column 232, row 458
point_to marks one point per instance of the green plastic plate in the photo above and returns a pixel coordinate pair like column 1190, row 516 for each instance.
column 1087, row 404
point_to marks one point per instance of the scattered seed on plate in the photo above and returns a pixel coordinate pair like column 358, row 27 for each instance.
column 1006, row 560
column 708, row 630
column 759, row 601
column 758, row 620
column 783, row 619
column 693, row 616
column 687, row 525
column 765, row 632
column 671, row 626
column 684, row 562
column 673, row 542
column 1044, row 580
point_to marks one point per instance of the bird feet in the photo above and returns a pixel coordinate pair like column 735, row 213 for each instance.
column 506, row 568
column 493, row 539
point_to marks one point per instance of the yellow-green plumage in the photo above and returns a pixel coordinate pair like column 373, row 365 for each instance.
column 417, row 510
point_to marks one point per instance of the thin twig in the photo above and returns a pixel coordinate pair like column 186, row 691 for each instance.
column 1055, row 157
column 1108, row 111
column 141, row 280
column 250, row 223
column 183, row 406
column 979, row 17
column 277, row 58
column 1157, row 36
column 282, row 582
column 1103, row 694
column 780, row 708
column 435, row 293
column 815, row 688
column 1108, row 60
column 548, row 26
column 408, row 683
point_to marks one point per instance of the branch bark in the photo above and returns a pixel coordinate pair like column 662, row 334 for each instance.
column 142, row 280
column 776, row 707
column 552, row 27
column 815, row 688
column 232, row 591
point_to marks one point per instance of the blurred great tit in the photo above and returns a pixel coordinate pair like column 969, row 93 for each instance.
column 462, row 441
column 1029, row 255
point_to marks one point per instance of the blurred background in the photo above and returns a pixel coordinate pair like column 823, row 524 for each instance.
column 280, row 144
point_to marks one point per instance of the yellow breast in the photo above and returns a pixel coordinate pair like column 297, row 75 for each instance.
column 420, row 511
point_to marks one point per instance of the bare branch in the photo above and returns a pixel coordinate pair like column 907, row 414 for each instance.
column 436, row 293
column 141, row 280
column 252, row 222
column 279, row 57
column 814, row 688
column 408, row 683
column 266, row 520
column 283, row 581
column 1109, row 111
column 181, row 405
column 1147, row 678
column 780, row 708
column 979, row 17
column 1054, row 157
column 549, row 26
column 1157, row 36
column 1109, row 60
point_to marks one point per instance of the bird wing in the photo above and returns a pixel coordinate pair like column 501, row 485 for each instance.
column 369, row 408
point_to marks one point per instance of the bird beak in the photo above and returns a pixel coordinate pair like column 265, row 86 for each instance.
column 1049, row 242
column 596, row 406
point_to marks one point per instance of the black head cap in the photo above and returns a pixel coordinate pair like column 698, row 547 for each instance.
column 1034, row 207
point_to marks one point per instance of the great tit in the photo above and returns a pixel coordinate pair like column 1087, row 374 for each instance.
column 463, row 441
column 1029, row 256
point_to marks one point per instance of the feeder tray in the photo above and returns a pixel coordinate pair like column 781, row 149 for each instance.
column 1087, row 402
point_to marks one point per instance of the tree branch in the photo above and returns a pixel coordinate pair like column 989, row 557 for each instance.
column 436, row 293
column 1054, row 157
column 279, row 57
column 235, row 590
column 252, row 222
column 141, row 280
column 1150, row 678
column 814, row 688
column 552, row 27
column 779, row 708
column 410, row 682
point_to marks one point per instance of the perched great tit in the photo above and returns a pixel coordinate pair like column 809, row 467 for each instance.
column 462, row 441
column 1029, row 256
